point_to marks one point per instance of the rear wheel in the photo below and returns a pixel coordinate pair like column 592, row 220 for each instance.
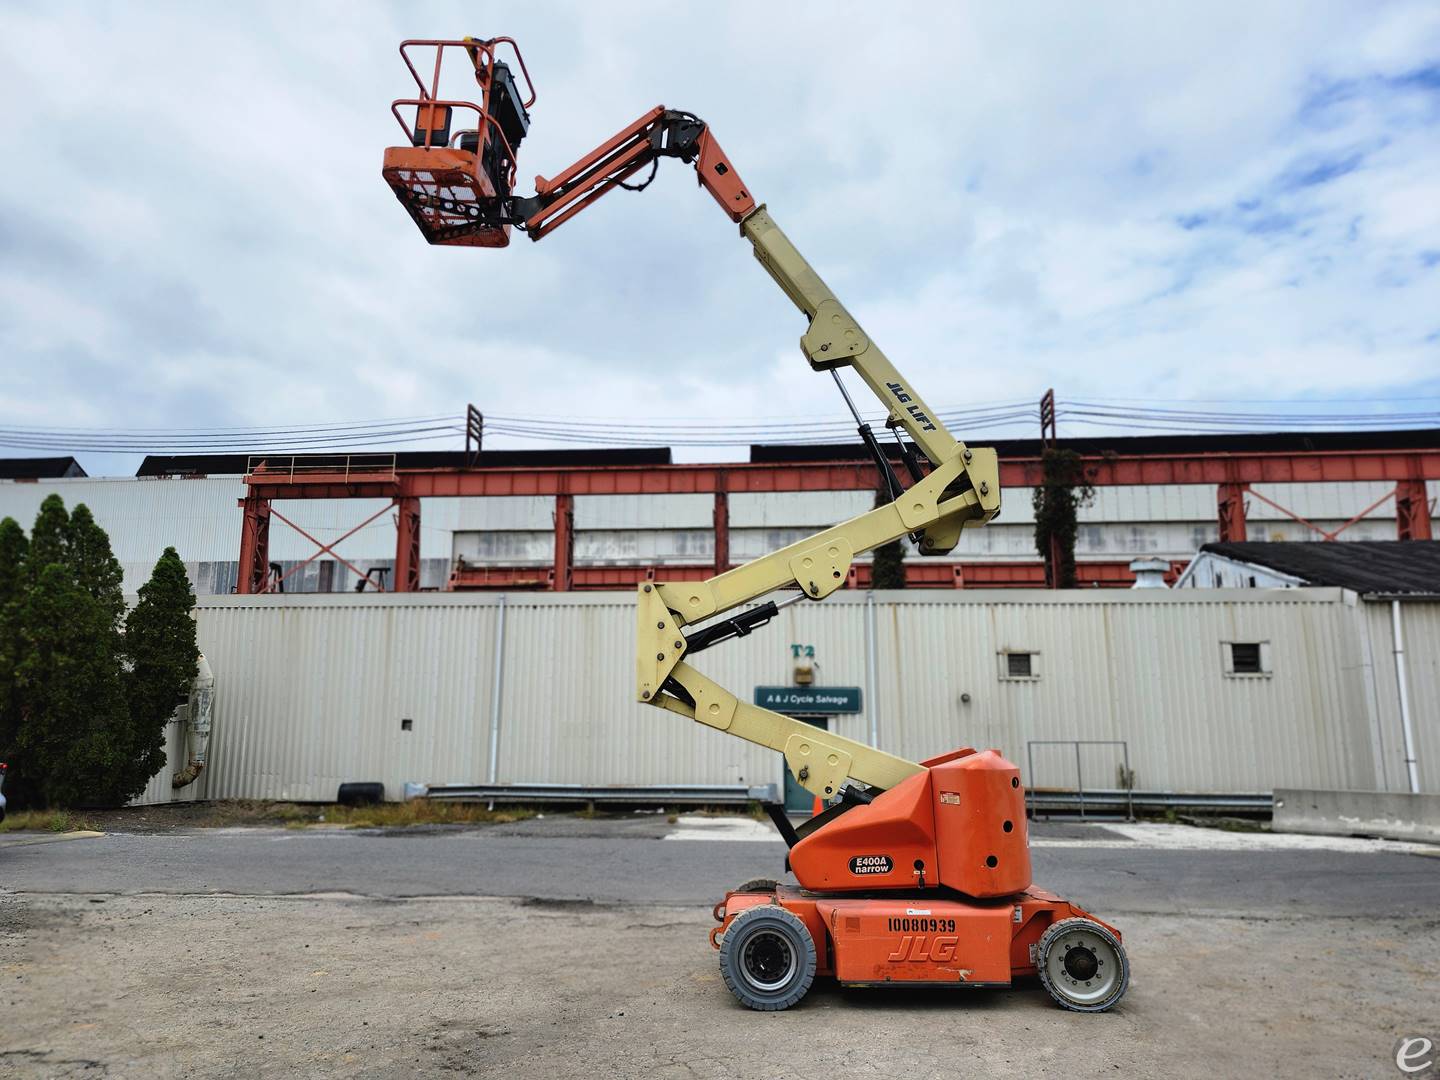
column 1083, row 965
column 767, row 958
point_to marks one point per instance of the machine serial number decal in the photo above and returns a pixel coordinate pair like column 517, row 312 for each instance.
column 871, row 864
column 921, row 926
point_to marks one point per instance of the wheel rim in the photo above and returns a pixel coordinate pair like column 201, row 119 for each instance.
column 767, row 961
column 1083, row 966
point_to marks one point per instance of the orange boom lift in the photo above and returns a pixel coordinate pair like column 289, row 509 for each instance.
column 918, row 874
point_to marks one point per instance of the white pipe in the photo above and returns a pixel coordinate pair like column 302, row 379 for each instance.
column 497, row 693
column 1406, row 730
column 871, row 675
column 202, row 696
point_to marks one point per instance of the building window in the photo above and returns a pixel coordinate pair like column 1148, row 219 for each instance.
column 1019, row 666
column 1246, row 658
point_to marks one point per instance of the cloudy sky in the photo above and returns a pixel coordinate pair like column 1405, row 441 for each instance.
column 1161, row 202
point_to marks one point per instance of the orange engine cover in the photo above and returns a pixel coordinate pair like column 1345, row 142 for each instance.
column 980, row 831
column 885, row 845
column 960, row 824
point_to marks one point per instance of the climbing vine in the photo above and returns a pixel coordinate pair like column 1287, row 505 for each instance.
column 1061, row 492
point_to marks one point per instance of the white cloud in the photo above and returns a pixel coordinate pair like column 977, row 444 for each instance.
column 193, row 226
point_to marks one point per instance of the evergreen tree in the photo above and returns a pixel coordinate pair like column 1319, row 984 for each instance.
column 83, row 708
column 160, row 641
column 50, row 538
column 72, row 698
column 13, row 549
column 96, row 568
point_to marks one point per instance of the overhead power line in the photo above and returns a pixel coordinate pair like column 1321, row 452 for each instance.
column 972, row 421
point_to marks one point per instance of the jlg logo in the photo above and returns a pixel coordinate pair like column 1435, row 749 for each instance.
column 939, row 949
column 903, row 398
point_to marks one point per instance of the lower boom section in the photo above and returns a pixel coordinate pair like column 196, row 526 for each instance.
column 774, row 940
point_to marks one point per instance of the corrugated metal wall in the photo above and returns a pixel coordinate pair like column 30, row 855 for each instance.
column 312, row 690
column 1420, row 631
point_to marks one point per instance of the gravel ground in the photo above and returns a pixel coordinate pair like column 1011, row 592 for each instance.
column 149, row 984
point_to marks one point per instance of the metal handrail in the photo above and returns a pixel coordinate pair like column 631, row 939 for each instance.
column 298, row 468
column 1030, row 745
column 483, row 117
column 482, row 59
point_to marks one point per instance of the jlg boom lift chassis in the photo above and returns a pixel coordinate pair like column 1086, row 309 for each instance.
column 919, row 874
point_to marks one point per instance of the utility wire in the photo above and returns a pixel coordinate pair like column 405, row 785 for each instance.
column 972, row 420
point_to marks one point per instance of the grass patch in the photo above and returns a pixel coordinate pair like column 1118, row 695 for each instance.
column 379, row 816
column 424, row 812
column 58, row 821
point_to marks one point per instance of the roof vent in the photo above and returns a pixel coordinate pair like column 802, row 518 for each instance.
column 1150, row 573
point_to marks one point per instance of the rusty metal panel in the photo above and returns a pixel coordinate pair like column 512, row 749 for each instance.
column 494, row 547
column 645, row 547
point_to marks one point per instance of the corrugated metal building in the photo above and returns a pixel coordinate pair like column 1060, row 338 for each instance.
column 1398, row 585
column 316, row 690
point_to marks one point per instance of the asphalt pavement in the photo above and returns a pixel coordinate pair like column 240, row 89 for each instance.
column 630, row 860
column 564, row 946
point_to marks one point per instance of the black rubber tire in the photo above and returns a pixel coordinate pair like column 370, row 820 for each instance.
column 759, row 884
column 1042, row 952
column 361, row 793
column 782, row 928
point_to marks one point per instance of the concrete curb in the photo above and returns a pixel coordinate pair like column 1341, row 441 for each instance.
column 47, row 838
column 1392, row 815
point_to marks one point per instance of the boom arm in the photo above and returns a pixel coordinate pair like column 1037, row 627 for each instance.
column 962, row 487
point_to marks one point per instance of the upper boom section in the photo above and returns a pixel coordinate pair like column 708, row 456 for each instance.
column 459, row 190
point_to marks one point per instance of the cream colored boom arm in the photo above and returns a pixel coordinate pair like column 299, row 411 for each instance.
column 962, row 488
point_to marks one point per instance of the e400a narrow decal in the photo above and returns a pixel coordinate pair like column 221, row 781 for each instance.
column 871, row 864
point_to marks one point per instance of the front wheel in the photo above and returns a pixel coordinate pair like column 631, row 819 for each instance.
column 1083, row 965
column 767, row 958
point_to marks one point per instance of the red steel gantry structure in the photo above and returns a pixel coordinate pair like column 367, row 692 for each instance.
column 1232, row 475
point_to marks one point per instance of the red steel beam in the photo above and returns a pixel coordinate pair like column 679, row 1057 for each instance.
column 407, row 545
column 1230, row 505
column 918, row 575
column 1412, row 510
column 254, row 545
column 1103, row 471
column 722, row 529
column 564, row 543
